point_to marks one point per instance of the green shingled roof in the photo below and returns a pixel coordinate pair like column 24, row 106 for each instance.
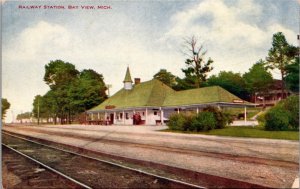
column 127, row 76
column 154, row 93
column 150, row 93
column 200, row 96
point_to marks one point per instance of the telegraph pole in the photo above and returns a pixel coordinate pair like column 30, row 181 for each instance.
column 12, row 113
column 38, row 111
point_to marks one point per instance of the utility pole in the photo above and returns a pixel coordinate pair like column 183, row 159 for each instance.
column 38, row 111
column 12, row 113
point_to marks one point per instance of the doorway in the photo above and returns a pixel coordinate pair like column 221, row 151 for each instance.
column 111, row 119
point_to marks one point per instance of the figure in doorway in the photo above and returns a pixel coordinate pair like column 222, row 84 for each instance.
column 136, row 118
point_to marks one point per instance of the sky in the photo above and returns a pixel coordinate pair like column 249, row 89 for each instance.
column 145, row 35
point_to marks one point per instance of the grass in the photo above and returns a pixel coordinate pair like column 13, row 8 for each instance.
column 251, row 132
column 251, row 111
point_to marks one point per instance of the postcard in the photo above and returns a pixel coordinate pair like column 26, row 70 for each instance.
column 195, row 66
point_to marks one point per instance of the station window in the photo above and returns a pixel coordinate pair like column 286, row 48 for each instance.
column 155, row 112
column 126, row 115
column 121, row 115
column 143, row 113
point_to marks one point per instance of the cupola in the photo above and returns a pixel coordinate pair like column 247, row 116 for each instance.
column 127, row 81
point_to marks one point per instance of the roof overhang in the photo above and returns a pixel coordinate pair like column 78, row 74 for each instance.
column 124, row 109
column 222, row 104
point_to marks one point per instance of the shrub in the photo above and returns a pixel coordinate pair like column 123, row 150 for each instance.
column 176, row 122
column 291, row 104
column 204, row 121
column 283, row 116
column 277, row 119
column 210, row 118
column 222, row 119
column 188, row 121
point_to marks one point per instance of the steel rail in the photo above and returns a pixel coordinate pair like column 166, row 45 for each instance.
column 48, row 167
column 111, row 163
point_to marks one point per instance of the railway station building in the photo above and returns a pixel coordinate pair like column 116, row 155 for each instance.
column 152, row 102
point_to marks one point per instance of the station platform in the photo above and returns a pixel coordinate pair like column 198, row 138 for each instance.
column 263, row 163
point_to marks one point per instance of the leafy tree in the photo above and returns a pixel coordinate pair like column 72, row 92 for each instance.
column 284, row 115
column 26, row 115
column 292, row 76
column 186, row 83
column 5, row 105
column 59, row 73
column 45, row 106
column 87, row 91
column 258, row 79
column 71, row 92
column 183, row 84
column 197, row 67
column 232, row 82
column 166, row 77
column 38, row 107
column 280, row 55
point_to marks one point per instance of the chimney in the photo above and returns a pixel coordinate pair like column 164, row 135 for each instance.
column 137, row 81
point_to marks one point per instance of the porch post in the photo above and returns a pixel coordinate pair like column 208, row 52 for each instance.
column 161, row 116
column 98, row 115
column 197, row 110
column 146, row 116
column 245, row 114
column 123, row 117
column 114, row 118
column 133, row 116
column 92, row 116
column 177, row 110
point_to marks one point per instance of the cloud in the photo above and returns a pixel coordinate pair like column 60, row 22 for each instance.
column 232, row 34
column 235, row 35
column 25, row 56
column 42, row 39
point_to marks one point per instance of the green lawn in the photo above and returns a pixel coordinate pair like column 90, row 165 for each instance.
column 252, row 132
column 251, row 111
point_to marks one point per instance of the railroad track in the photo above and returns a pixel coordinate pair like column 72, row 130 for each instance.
column 21, row 171
column 88, row 171
column 189, row 176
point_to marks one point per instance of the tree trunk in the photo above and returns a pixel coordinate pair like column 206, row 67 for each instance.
column 69, row 117
column 282, row 85
column 61, row 118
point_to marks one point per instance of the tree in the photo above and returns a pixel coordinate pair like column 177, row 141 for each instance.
column 87, row 91
column 71, row 92
column 5, row 105
column 292, row 76
column 166, row 77
column 45, row 106
column 232, row 82
column 197, row 67
column 280, row 55
column 26, row 115
column 258, row 79
column 59, row 73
